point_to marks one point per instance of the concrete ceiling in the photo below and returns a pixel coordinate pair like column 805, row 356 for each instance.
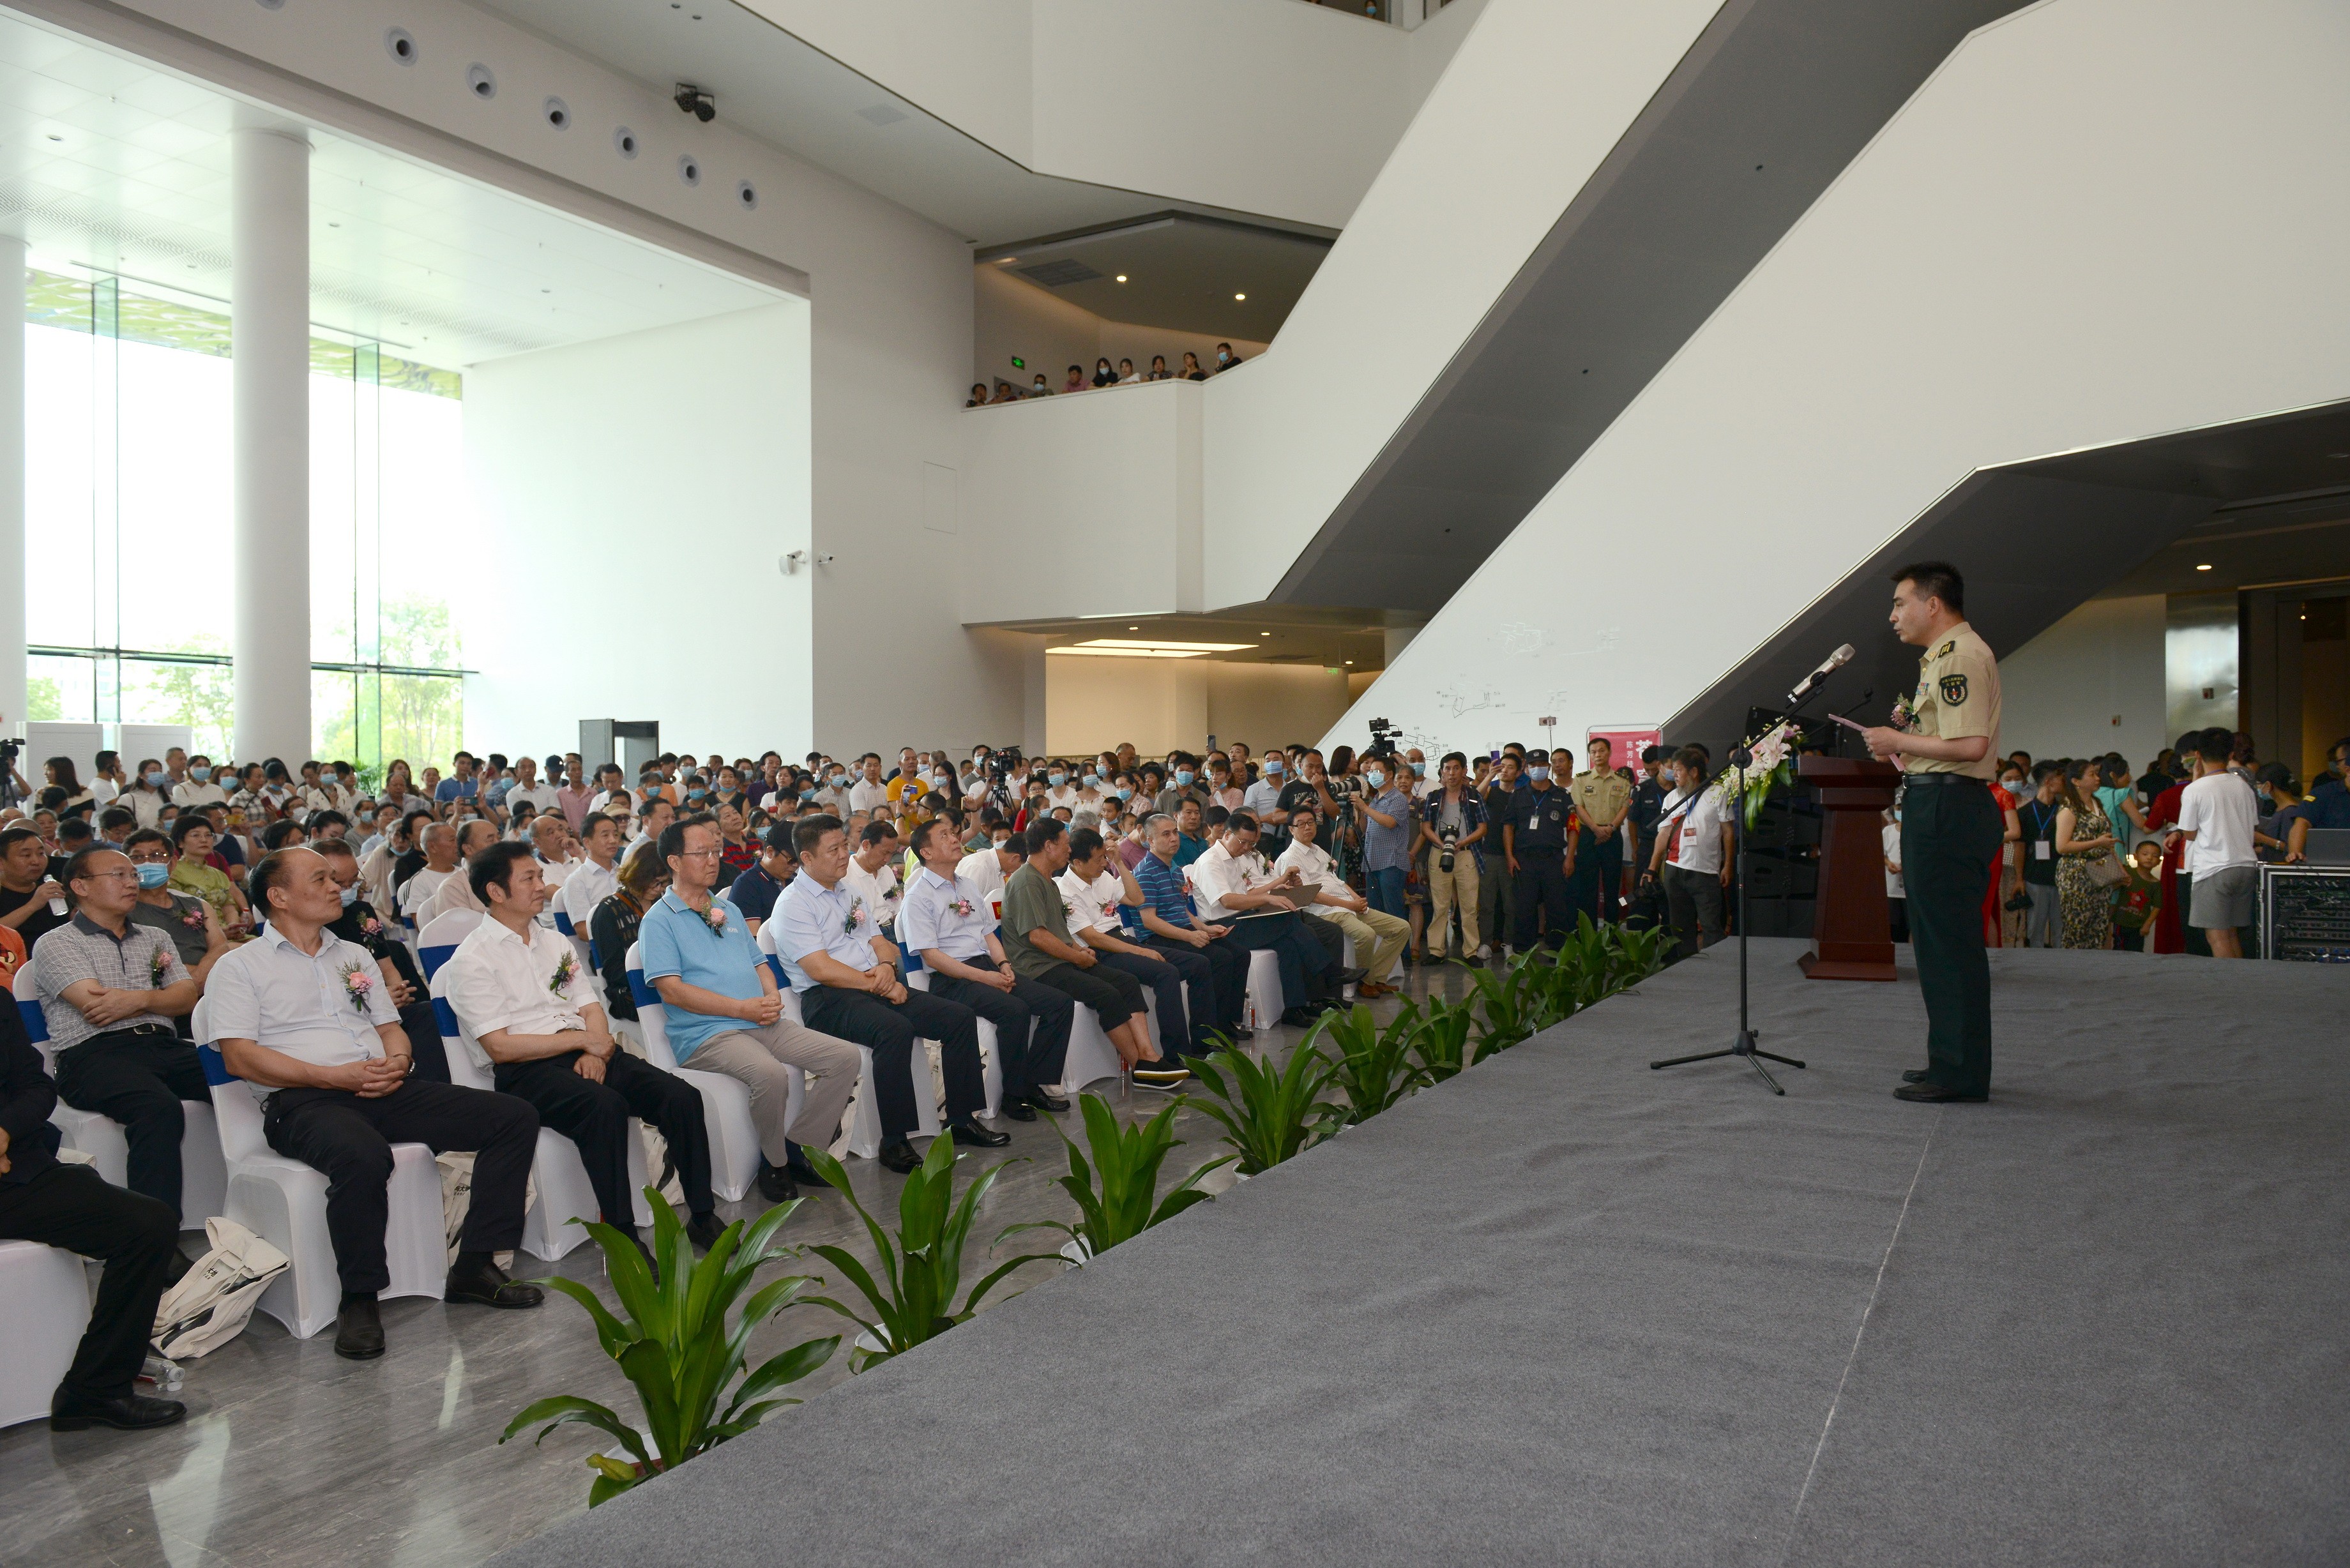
column 2265, row 502
column 1773, row 102
column 111, row 165
column 1176, row 271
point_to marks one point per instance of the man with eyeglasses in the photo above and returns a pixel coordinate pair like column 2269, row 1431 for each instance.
column 187, row 920
column 109, row 992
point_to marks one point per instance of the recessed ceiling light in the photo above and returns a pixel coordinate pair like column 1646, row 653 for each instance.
column 1132, row 652
column 1134, row 628
column 1163, row 643
column 1350, row 661
column 1265, row 634
column 56, row 138
column 1121, row 278
column 2205, row 566
column 1239, row 296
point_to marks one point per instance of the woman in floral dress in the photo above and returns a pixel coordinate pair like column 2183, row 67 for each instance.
column 2084, row 836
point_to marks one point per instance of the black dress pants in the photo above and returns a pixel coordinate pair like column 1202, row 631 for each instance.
column 1543, row 890
column 1305, row 967
column 1113, row 994
column 1216, row 975
column 1032, row 1024
column 1161, row 977
column 71, row 1205
column 1598, row 876
column 138, row 1079
column 889, row 1033
column 350, row 1138
column 422, row 1027
column 595, row 1117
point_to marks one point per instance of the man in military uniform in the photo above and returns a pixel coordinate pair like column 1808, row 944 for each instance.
column 1950, row 827
column 1603, row 799
column 1535, row 841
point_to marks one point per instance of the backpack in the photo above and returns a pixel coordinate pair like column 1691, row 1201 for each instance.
column 209, row 1306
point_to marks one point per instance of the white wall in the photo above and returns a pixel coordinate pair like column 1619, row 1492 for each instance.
column 1013, row 317
column 1257, row 106
column 890, row 326
column 1977, row 288
column 2090, row 684
column 1159, row 704
column 1082, row 505
column 621, row 561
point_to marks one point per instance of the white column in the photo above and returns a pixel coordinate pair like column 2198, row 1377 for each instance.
column 12, row 478
column 269, row 327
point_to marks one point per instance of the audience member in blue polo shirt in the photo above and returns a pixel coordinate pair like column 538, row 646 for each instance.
column 1172, row 924
column 723, row 1013
column 846, row 977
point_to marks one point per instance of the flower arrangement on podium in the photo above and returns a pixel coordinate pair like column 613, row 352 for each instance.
column 1774, row 765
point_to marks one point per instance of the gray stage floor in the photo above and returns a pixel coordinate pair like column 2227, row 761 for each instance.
column 1568, row 1309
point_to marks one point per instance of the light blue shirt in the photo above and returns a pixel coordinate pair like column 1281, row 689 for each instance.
column 675, row 941
column 812, row 918
column 928, row 919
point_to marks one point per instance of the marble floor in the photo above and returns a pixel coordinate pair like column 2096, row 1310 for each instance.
column 291, row 1456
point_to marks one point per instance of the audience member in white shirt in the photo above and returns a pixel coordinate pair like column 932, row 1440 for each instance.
column 440, row 846
column 986, row 869
column 1233, row 888
column 656, row 816
column 302, row 1015
column 1691, row 860
column 868, row 791
column 550, row 840
column 2217, row 814
column 1095, row 887
column 455, row 893
column 527, row 1007
column 1378, row 937
column 872, row 873
column 594, row 879
column 527, row 786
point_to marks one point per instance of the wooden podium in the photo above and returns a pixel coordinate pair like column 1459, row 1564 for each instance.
column 1852, row 930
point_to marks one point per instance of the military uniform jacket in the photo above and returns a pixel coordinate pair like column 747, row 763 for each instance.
column 1602, row 797
column 1956, row 696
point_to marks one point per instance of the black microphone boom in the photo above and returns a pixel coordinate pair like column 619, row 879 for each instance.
column 1836, row 661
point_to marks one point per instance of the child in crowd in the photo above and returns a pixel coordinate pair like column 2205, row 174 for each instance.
column 2138, row 901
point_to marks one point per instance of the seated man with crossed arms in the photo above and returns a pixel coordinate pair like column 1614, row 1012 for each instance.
column 302, row 1013
column 846, row 976
column 946, row 921
column 524, row 997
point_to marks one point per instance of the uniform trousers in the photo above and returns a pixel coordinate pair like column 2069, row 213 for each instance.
column 1948, row 833
column 761, row 1058
column 73, row 1207
column 1543, row 890
column 349, row 1138
column 1216, row 977
column 889, row 1031
column 595, row 1117
column 139, row 1078
column 1445, row 890
column 1599, row 875
column 1306, row 966
column 1032, row 1024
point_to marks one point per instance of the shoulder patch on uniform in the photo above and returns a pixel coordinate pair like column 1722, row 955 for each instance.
column 1954, row 690
column 1946, row 648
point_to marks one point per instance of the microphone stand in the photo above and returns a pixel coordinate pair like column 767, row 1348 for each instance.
column 1742, row 757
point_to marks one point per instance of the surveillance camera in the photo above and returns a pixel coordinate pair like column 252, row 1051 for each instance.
column 693, row 100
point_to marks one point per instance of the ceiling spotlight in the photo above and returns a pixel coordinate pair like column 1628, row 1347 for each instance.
column 1239, row 296
column 1121, row 278
column 1350, row 661
column 691, row 99
column 1134, row 628
column 1265, row 634
column 2204, row 566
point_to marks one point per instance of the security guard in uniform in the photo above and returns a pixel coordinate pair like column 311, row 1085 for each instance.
column 1603, row 798
column 1535, row 840
column 1950, row 827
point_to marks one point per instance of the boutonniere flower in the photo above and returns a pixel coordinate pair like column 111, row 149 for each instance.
column 714, row 918
column 961, row 907
column 358, row 984
column 195, row 918
column 157, row 968
column 856, row 915
column 567, row 969
column 1903, row 714
column 372, row 926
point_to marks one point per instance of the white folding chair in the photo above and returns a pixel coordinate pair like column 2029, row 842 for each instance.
column 725, row 1102
column 437, row 944
column 203, row 1176
column 45, row 1302
column 560, row 1191
column 1091, row 1056
column 1264, row 1005
column 284, row 1201
column 862, row 1120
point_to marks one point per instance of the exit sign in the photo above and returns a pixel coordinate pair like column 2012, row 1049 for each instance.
column 1018, row 363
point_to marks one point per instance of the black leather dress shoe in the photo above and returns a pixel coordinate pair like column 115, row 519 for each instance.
column 1044, row 1099
column 969, row 1133
column 130, row 1413
column 808, row 1178
column 486, row 1285
column 1935, row 1094
column 1350, row 977
column 1299, row 1017
column 1020, row 1110
column 1914, row 1076
column 775, row 1183
column 900, row 1155
column 358, row 1331
column 704, row 1229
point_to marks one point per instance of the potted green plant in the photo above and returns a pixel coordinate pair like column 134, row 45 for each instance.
column 1440, row 1038
column 1115, row 1190
column 1268, row 1116
column 922, row 1265
column 1373, row 1066
column 676, row 1347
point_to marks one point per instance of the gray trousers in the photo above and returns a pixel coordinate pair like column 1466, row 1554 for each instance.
column 2043, row 923
column 757, row 1057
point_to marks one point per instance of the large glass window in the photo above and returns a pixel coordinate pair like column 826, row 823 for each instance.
column 128, row 536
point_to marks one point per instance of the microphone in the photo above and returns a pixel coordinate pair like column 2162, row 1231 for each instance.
column 1835, row 662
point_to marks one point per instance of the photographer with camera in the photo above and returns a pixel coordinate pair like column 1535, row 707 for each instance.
column 1452, row 826
column 1386, row 805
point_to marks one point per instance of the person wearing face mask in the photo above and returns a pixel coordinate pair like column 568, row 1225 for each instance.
column 1182, row 780
column 185, row 919
column 1037, row 389
column 199, row 788
column 1060, row 788
column 1386, row 836
column 1225, row 358
column 149, row 793
column 1103, row 375
column 1262, row 799
column 1535, row 839
column 403, row 986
